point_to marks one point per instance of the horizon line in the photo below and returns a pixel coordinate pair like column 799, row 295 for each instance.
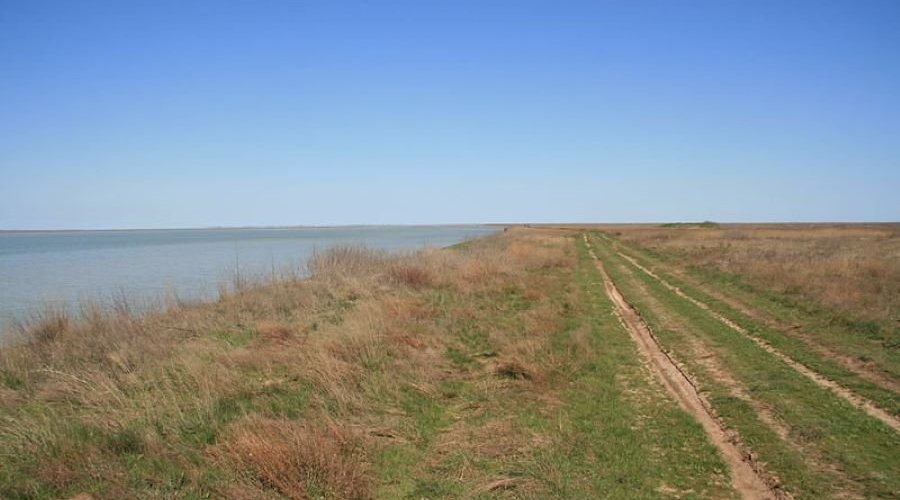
column 297, row 226
column 451, row 224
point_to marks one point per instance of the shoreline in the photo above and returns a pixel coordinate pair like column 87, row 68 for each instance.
column 146, row 301
column 242, row 228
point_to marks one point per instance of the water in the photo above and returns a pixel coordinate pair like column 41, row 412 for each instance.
column 69, row 267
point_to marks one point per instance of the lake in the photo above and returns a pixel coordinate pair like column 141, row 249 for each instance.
column 66, row 268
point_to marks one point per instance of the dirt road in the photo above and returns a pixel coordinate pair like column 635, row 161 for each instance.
column 748, row 477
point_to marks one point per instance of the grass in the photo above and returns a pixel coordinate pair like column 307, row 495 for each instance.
column 823, row 343
column 635, row 441
column 852, row 269
column 830, row 446
column 704, row 224
column 494, row 369
column 468, row 372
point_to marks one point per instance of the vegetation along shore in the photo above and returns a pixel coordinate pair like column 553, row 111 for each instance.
column 616, row 361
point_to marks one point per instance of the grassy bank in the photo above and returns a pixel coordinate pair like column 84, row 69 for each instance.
column 494, row 369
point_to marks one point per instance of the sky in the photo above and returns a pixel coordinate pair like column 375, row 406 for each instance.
column 129, row 114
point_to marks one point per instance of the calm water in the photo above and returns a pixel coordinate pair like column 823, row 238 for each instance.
column 67, row 267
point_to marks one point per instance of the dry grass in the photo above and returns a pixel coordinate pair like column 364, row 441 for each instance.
column 298, row 460
column 851, row 268
column 285, row 388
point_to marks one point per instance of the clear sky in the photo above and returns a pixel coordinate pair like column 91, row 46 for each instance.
column 185, row 113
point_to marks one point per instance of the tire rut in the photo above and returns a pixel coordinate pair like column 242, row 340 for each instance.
column 747, row 475
column 860, row 368
column 856, row 400
column 708, row 360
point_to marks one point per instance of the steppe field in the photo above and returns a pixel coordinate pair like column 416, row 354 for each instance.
column 592, row 361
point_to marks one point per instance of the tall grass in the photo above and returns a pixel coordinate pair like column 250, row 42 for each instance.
column 850, row 268
column 277, row 386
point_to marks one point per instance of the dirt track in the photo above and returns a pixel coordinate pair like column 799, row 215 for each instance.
column 852, row 363
column 747, row 476
column 856, row 400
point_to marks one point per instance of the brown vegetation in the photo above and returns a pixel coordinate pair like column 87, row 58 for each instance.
column 296, row 459
column 853, row 268
column 495, row 369
column 292, row 387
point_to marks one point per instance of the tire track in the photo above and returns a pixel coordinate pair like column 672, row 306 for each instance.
column 747, row 475
column 860, row 368
column 708, row 360
column 856, row 400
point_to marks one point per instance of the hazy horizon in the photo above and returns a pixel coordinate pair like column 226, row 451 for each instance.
column 448, row 224
column 295, row 226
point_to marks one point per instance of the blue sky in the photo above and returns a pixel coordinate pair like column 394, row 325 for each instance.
column 181, row 114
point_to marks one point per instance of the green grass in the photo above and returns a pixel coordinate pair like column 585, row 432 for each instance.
column 614, row 429
column 830, row 333
column 621, row 433
column 123, row 450
column 513, row 379
column 868, row 340
column 863, row 448
column 236, row 338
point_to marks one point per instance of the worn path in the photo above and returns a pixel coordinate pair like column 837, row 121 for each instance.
column 748, row 477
